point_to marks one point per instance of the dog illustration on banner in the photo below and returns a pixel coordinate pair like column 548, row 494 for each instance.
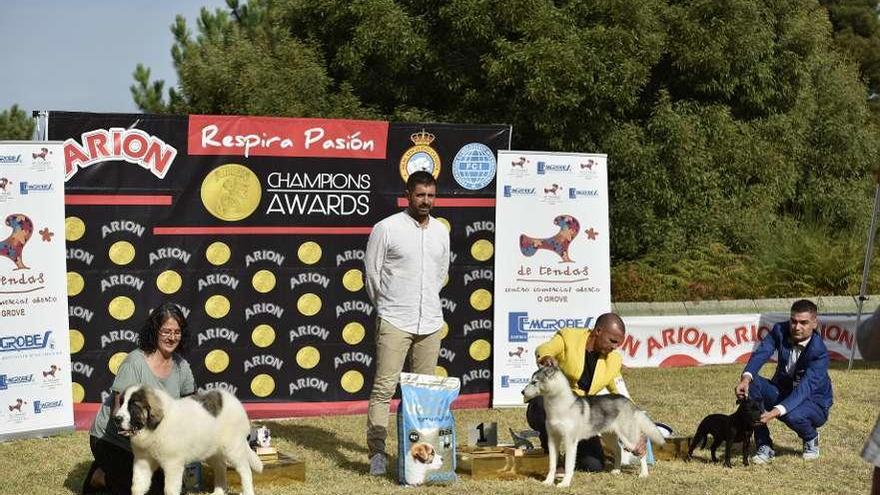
column 518, row 352
column 44, row 152
column 52, row 370
column 554, row 190
column 17, row 405
column 521, row 163
column 558, row 243
column 3, row 183
column 13, row 246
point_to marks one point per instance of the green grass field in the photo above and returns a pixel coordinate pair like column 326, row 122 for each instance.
column 335, row 453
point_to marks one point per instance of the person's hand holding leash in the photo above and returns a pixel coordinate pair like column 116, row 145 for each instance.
column 742, row 388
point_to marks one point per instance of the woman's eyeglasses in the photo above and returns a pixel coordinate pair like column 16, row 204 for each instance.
column 168, row 333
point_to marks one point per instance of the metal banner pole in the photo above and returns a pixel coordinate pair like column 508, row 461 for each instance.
column 869, row 252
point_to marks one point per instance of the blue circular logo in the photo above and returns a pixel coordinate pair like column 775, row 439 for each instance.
column 474, row 166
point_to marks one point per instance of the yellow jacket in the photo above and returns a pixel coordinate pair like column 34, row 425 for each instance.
column 569, row 347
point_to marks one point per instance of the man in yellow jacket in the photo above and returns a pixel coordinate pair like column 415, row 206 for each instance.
column 589, row 360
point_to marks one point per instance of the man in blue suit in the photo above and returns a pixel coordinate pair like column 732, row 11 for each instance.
column 799, row 394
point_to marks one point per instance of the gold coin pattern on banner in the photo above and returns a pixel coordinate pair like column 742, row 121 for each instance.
column 231, row 192
column 308, row 357
column 480, row 350
column 121, row 308
column 446, row 281
column 217, row 361
column 263, row 335
column 169, row 282
column 218, row 253
column 309, row 252
column 74, row 228
column 445, row 223
column 309, row 304
column 217, row 306
column 116, row 361
column 121, row 252
column 262, row 385
column 482, row 250
column 352, row 381
column 353, row 280
column 76, row 341
column 75, row 283
column 481, row 299
column 440, row 371
column 353, row 333
column 263, row 281
column 444, row 330
column 79, row 393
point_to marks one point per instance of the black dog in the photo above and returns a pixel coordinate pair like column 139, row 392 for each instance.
column 736, row 427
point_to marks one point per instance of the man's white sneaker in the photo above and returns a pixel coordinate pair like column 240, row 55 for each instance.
column 764, row 455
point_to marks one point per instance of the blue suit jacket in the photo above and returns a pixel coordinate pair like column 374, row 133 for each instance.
column 811, row 370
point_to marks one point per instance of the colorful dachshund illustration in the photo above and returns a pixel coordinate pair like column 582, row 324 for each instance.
column 521, row 163
column 42, row 154
column 12, row 246
column 518, row 352
column 3, row 183
column 17, row 405
column 554, row 189
column 568, row 230
column 51, row 372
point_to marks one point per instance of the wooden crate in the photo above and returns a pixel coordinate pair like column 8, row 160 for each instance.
column 283, row 470
column 500, row 463
column 676, row 447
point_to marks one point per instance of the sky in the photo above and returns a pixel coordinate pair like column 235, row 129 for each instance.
column 79, row 55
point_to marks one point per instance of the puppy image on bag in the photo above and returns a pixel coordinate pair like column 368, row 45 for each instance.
column 730, row 429
column 420, row 460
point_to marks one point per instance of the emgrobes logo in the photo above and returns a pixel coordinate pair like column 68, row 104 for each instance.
column 131, row 145
column 276, row 136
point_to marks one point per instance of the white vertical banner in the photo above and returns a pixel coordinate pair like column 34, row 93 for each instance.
column 552, row 256
column 35, row 379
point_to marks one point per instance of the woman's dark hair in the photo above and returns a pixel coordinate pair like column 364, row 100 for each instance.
column 148, row 340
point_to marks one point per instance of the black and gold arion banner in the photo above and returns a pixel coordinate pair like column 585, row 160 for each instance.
column 257, row 228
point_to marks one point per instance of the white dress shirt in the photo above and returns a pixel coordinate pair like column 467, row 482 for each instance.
column 796, row 350
column 406, row 265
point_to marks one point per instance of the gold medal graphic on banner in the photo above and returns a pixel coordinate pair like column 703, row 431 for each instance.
column 482, row 250
column 217, row 253
column 440, row 371
column 217, row 306
column 309, row 252
column 444, row 330
column 121, row 252
column 445, row 223
column 75, row 283
column 421, row 157
column 77, row 341
column 263, row 281
column 116, row 361
column 169, row 282
column 308, row 304
column 353, row 333
column 217, row 361
column 352, row 381
column 480, row 350
column 263, row 385
column 79, row 393
column 121, row 308
column 74, row 228
column 263, row 335
column 308, row 357
column 481, row 299
column 231, row 192
column 353, row 280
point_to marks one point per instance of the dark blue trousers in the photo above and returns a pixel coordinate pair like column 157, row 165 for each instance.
column 803, row 419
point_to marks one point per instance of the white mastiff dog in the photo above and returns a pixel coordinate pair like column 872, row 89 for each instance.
column 169, row 433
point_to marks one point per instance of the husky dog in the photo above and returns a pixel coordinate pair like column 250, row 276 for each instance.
column 571, row 419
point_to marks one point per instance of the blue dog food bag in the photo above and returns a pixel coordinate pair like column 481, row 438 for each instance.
column 426, row 430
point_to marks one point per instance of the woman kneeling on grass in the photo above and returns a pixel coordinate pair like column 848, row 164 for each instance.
column 158, row 362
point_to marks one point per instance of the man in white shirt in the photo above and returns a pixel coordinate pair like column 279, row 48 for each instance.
column 406, row 265
column 799, row 394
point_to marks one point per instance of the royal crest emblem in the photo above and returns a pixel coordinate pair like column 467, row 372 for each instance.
column 420, row 157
